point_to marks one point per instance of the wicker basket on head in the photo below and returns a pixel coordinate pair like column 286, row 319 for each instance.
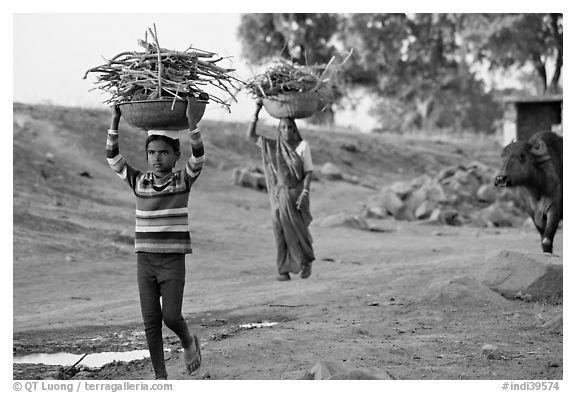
column 165, row 114
column 295, row 105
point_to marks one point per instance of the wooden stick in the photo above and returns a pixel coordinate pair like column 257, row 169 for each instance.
column 155, row 37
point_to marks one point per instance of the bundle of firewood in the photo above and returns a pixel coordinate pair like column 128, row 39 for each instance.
column 282, row 76
column 159, row 73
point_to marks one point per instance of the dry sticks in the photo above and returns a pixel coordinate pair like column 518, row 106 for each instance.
column 282, row 76
column 159, row 73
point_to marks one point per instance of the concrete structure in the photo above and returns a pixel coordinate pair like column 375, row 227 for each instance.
column 524, row 116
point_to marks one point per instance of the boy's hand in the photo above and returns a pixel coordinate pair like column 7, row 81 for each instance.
column 192, row 122
column 116, row 114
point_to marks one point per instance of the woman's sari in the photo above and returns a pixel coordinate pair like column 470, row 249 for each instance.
column 284, row 171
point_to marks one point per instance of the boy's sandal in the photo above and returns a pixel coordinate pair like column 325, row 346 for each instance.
column 195, row 364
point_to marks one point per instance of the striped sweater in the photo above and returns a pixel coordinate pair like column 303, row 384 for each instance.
column 161, row 203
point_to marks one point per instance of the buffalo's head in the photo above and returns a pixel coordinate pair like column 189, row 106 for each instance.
column 520, row 162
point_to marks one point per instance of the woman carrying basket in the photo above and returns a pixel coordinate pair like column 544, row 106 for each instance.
column 288, row 170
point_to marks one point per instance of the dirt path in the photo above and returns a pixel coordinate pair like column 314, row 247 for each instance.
column 368, row 304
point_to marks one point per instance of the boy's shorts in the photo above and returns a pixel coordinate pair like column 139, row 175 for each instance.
column 161, row 267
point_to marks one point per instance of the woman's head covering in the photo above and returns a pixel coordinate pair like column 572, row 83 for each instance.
column 296, row 130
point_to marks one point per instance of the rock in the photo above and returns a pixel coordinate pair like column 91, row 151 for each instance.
column 464, row 182
column 375, row 212
column 420, row 181
column 402, row 188
column 425, row 210
column 446, row 173
column 328, row 370
column 492, row 352
column 331, row 171
column 389, row 201
column 434, row 192
column 83, row 375
column 500, row 214
column 405, row 213
column 444, row 216
column 344, row 220
column 415, row 199
column 514, row 274
column 350, row 178
column 348, row 146
column 324, row 370
column 462, row 290
column 249, row 177
column 485, row 173
column 555, row 325
column 486, row 193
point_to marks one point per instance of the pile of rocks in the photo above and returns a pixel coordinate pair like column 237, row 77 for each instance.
column 251, row 177
column 460, row 195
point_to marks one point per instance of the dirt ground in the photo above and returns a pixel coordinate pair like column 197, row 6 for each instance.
column 386, row 300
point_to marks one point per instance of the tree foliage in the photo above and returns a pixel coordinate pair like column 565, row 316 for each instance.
column 415, row 65
column 516, row 40
column 303, row 38
column 418, row 65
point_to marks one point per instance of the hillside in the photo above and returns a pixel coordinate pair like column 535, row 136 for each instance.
column 74, row 273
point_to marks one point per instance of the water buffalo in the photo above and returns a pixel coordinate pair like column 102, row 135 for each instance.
column 534, row 169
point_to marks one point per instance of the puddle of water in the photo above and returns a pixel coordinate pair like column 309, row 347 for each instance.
column 258, row 325
column 91, row 360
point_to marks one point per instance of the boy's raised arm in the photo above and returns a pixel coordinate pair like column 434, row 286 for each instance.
column 196, row 162
column 115, row 159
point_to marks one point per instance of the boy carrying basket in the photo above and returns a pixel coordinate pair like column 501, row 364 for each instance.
column 162, row 238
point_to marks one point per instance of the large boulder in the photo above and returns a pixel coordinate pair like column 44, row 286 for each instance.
column 461, row 291
column 529, row 277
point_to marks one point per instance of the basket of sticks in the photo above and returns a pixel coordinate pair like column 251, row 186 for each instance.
column 294, row 105
column 297, row 91
column 151, row 86
column 161, row 114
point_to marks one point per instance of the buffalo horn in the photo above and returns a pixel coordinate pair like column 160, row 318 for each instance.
column 538, row 148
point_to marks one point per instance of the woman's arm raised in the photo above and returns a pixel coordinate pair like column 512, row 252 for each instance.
column 251, row 133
